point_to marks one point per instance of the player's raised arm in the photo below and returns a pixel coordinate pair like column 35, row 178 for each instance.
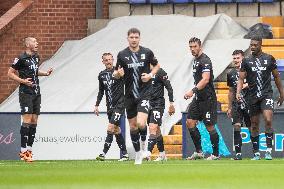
column 119, row 70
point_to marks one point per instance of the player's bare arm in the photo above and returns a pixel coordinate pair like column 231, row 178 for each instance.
column 278, row 83
column 96, row 110
column 147, row 76
column 230, row 99
column 169, row 88
column 47, row 73
column 240, row 84
column 200, row 85
column 12, row 74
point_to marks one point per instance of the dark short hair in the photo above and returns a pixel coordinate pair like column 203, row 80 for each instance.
column 106, row 54
column 133, row 30
column 195, row 40
column 238, row 52
column 257, row 38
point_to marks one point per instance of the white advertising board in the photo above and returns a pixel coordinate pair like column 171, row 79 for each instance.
column 72, row 136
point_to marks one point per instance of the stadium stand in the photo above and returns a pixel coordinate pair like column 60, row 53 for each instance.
column 173, row 143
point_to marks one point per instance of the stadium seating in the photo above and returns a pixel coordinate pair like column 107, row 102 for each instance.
column 173, row 144
column 274, row 46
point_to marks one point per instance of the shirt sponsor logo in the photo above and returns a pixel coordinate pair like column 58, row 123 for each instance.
column 132, row 65
column 254, row 69
column 142, row 56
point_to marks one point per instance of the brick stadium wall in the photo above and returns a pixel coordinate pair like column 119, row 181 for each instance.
column 5, row 5
column 51, row 22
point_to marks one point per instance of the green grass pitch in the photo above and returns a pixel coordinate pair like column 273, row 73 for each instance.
column 174, row 174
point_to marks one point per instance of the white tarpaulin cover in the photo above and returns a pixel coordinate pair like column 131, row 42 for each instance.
column 73, row 86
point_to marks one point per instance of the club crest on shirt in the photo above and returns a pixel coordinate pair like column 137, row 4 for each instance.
column 142, row 56
column 15, row 61
column 165, row 77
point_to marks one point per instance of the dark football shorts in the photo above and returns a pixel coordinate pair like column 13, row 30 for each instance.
column 205, row 111
column 155, row 116
column 30, row 103
column 114, row 115
column 256, row 107
column 240, row 115
column 133, row 106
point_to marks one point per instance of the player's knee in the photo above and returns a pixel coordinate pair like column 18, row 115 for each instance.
column 110, row 132
column 152, row 136
column 237, row 127
column 153, row 129
column 254, row 122
column 254, row 131
column 110, row 128
column 27, row 118
column 210, row 128
column 141, row 124
column 34, row 119
column 190, row 123
column 159, row 133
column 117, row 130
column 269, row 130
column 268, row 122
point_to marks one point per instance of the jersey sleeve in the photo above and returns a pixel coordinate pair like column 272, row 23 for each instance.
column 273, row 63
column 17, row 64
column 119, row 61
column 229, row 81
column 101, row 92
column 163, row 76
column 153, row 60
column 244, row 65
column 206, row 66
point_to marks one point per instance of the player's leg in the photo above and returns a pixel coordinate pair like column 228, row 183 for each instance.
column 109, row 137
column 32, row 129
column 31, row 136
column 267, row 107
column 24, row 154
column 115, row 120
column 255, row 136
column 121, row 143
column 209, row 116
column 236, row 121
column 143, row 109
column 247, row 119
column 237, row 141
column 160, row 145
column 131, row 110
column 154, row 120
column 192, row 119
column 152, row 138
column 26, row 106
column 254, row 117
